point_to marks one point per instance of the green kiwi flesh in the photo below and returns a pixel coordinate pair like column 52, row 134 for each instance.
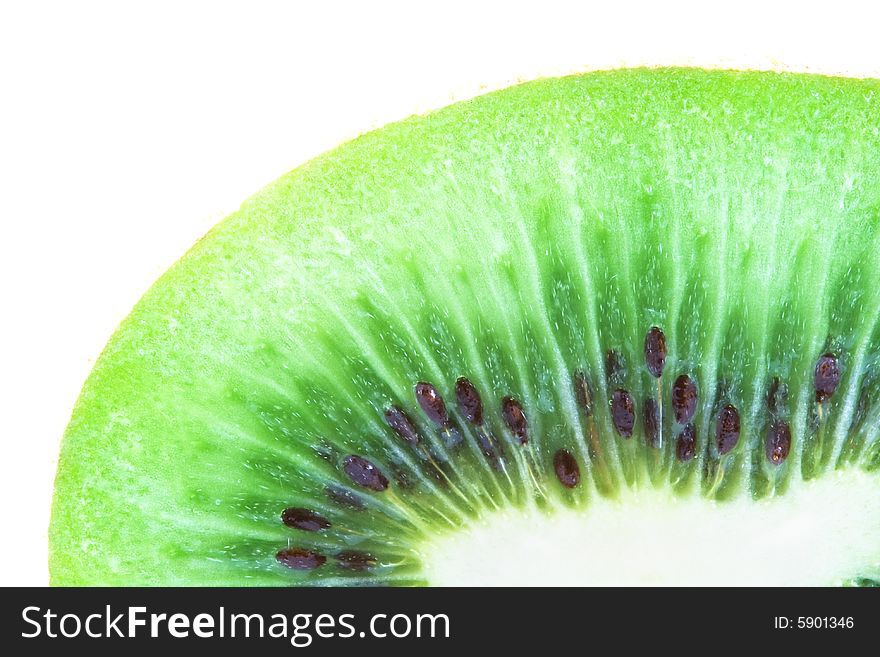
column 662, row 285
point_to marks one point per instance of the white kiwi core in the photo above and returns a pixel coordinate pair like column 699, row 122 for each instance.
column 822, row 532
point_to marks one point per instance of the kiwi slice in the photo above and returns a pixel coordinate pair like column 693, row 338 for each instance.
column 612, row 328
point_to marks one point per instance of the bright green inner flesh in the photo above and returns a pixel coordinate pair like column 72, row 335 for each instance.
column 512, row 239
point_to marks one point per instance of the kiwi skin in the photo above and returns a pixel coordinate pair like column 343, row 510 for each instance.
column 514, row 240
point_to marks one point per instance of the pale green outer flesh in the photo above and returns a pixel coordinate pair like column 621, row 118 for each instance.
column 510, row 239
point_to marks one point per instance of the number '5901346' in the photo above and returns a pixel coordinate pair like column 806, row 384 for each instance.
column 824, row 622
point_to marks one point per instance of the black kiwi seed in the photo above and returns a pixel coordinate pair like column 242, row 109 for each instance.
column 356, row 560
column 567, row 470
column 470, row 405
column 777, row 396
column 778, row 442
column 583, row 392
column 686, row 444
column 655, row 351
column 826, row 377
column 652, row 421
column 684, row 399
column 615, row 368
column 515, row 419
column 364, row 473
column 623, row 412
column 401, row 424
column 303, row 519
column 727, row 429
column 432, row 403
column 300, row 559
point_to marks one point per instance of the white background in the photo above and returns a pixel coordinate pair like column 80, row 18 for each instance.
column 128, row 129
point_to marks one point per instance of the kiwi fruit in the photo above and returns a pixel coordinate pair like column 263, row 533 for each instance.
column 615, row 328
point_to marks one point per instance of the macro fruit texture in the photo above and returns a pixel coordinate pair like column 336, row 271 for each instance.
column 611, row 328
